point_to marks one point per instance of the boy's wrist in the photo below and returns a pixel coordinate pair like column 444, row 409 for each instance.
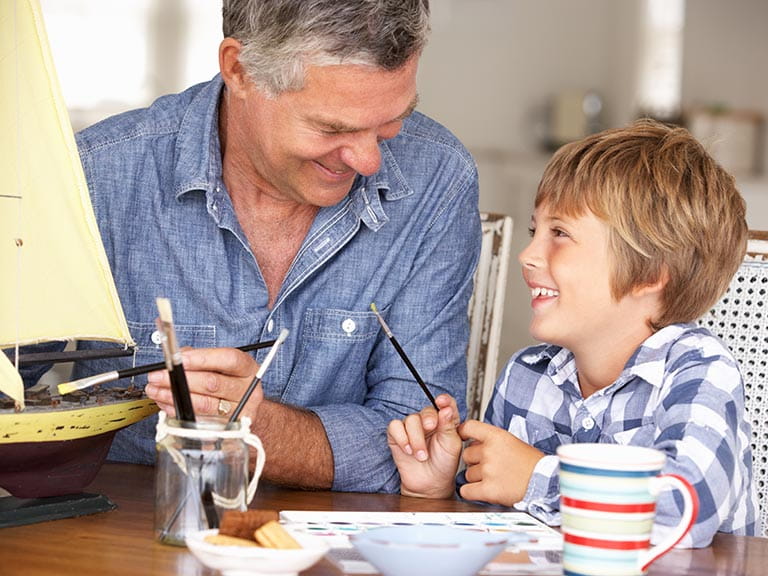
column 439, row 492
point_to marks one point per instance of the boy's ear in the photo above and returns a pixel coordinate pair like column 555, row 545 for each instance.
column 231, row 69
column 653, row 288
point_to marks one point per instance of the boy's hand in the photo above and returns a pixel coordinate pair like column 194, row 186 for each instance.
column 426, row 448
column 499, row 465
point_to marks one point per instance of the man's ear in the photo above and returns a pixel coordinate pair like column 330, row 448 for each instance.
column 232, row 71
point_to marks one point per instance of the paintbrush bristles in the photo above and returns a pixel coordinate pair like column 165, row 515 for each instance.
column 87, row 382
column 271, row 354
column 164, row 310
column 384, row 326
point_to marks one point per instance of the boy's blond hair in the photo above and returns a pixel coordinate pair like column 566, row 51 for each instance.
column 671, row 210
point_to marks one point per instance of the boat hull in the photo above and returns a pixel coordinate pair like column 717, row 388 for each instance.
column 60, row 451
column 42, row 469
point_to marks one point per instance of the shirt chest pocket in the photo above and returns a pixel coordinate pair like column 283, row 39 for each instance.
column 334, row 347
column 640, row 432
column 537, row 431
column 342, row 326
column 148, row 339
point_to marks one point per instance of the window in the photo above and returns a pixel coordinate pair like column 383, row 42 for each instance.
column 661, row 58
column 113, row 55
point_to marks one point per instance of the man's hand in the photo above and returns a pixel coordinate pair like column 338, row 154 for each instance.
column 217, row 379
column 297, row 448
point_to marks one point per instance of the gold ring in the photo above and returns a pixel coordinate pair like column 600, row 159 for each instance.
column 224, row 407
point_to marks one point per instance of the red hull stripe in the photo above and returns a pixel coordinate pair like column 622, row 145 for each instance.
column 607, row 544
column 605, row 507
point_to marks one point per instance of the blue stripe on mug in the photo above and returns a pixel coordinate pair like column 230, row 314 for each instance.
column 610, row 473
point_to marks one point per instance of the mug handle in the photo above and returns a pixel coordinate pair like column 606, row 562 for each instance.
column 252, row 440
column 690, row 512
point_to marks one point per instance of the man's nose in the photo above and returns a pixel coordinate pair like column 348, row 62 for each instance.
column 363, row 154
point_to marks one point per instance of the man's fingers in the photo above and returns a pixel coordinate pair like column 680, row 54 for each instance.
column 228, row 361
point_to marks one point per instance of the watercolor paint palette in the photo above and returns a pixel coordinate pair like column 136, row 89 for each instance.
column 533, row 546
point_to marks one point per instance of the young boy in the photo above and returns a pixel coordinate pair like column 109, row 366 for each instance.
column 636, row 233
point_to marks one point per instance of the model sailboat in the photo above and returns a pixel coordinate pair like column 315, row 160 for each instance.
column 57, row 284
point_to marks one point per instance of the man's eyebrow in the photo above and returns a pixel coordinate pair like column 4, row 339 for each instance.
column 334, row 126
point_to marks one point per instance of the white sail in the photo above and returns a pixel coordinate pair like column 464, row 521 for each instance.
column 10, row 381
column 56, row 281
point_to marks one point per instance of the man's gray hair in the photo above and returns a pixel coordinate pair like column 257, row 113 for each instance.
column 280, row 38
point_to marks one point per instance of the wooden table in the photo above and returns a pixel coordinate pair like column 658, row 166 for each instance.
column 122, row 542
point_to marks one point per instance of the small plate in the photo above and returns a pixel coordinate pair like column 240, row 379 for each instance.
column 252, row 560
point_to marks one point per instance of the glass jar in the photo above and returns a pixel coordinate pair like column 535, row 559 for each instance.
column 201, row 471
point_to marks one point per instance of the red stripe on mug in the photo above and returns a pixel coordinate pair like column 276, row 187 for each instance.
column 606, row 544
column 605, row 507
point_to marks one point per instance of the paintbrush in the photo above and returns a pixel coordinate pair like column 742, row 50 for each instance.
column 87, row 382
column 259, row 374
column 182, row 401
column 404, row 356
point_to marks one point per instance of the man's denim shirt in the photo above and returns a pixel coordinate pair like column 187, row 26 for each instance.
column 406, row 238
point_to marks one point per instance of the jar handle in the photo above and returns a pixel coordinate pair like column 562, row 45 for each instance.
column 253, row 441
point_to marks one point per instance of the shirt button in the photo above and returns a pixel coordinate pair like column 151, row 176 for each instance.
column 348, row 325
column 156, row 338
column 587, row 423
column 270, row 325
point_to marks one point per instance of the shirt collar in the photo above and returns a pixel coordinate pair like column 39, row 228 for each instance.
column 197, row 148
column 648, row 362
column 367, row 192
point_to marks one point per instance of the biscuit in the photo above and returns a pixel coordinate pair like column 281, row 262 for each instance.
column 243, row 524
column 273, row 535
column 224, row 540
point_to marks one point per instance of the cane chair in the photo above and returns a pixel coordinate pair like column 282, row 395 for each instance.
column 740, row 319
column 486, row 309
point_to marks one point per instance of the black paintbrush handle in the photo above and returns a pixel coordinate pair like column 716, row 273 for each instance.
column 182, row 399
column 244, row 400
column 411, row 367
column 128, row 372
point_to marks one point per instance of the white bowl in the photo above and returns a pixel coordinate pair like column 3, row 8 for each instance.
column 251, row 560
column 428, row 550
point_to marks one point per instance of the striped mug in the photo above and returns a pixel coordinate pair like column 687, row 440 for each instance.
column 608, row 504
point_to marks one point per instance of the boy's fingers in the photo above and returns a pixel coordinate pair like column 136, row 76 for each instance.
column 397, row 436
column 415, row 431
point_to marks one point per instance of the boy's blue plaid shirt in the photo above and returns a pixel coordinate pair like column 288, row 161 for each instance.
column 681, row 393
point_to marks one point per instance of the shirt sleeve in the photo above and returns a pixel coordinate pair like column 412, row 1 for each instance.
column 542, row 498
column 701, row 427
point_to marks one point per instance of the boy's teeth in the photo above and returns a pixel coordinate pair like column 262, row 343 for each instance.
column 536, row 292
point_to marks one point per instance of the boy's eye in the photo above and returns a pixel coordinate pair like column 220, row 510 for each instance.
column 559, row 232
column 531, row 231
